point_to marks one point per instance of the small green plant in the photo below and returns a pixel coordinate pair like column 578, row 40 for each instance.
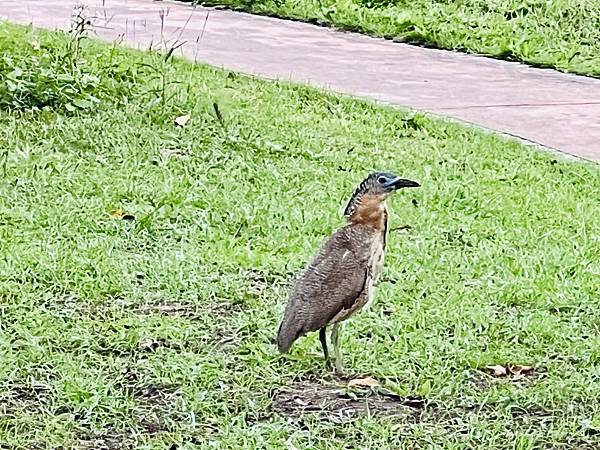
column 55, row 75
column 44, row 81
column 161, row 87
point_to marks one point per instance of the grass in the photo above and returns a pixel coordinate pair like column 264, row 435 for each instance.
column 561, row 34
column 144, row 266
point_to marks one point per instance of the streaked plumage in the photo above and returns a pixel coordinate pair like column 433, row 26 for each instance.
column 340, row 280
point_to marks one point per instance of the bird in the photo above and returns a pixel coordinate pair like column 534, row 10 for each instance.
column 341, row 278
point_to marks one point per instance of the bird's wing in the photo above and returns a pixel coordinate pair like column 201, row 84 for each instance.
column 332, row 282
column 344, row 275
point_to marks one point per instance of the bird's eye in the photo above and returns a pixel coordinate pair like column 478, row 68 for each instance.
column 382, row 180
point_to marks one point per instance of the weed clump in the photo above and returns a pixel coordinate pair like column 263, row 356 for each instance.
column 47, row 73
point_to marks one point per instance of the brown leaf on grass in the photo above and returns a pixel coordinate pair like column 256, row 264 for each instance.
column 497, row 370
column 120, row 214
column 117, row 213
column 520, row 370
column 363, row 382
column 514, row 371
column 182, row 120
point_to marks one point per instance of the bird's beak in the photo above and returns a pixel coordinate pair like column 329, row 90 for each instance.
column 398, row 183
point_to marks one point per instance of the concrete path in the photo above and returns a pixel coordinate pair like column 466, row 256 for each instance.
column 541, row 106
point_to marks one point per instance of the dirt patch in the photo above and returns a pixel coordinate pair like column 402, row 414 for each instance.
column 339, row 404
column 31, row 397
column 484, row 378
column 167, row 309
column 155, row 413
column 147, row 393
column 34, row 392
column 481, row 381
column 571, row 444
column 259, row 282
column 155, row 394
column 188, row 310
column 223, row 339
column 111, row 440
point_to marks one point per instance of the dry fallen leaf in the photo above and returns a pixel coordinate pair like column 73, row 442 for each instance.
column 515, row 371
column 182, row 120
column 497, row 370
column 117, row 213
column 120, row 214
column 363, row 382
column 520, row 370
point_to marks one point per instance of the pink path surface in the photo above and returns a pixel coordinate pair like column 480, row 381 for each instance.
column 555, row 110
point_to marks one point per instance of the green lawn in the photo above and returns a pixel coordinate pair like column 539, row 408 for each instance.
column 144, row 266
column 563, row 34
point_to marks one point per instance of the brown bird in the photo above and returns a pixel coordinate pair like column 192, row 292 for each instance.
column 341, row 278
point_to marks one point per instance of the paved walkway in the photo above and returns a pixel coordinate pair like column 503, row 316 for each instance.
column 542, row 106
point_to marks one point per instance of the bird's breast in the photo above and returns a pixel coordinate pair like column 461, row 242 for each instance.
column 377, row 256
column 374, row 269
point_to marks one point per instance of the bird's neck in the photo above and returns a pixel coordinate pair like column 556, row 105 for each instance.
column 370, row 210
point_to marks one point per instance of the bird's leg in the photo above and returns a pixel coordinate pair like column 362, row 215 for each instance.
column 323, row 339
column 336, row 348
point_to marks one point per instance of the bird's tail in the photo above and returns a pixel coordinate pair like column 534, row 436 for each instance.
column 285, row 336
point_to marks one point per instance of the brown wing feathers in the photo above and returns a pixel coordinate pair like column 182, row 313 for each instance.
column 331, row 283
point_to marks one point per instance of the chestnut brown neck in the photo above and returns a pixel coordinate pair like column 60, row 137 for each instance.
column 370, row 210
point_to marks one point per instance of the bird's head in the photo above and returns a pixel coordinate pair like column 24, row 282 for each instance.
column 377, row 186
